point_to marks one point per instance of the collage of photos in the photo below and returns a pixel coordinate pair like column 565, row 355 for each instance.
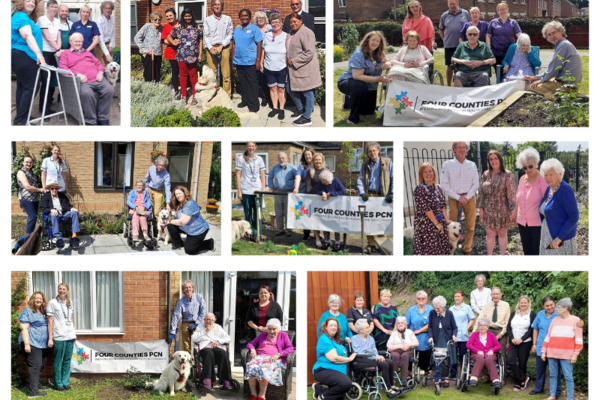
column 228, row 327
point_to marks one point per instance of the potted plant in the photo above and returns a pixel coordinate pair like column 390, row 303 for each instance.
column 212, row 207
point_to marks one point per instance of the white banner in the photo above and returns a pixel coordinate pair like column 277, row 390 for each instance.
column 339, row 214
column 414, row 104
column 102, row 357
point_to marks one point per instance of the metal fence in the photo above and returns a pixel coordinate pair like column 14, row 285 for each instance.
column 575, row 164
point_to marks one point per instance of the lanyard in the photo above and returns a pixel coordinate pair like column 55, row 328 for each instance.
column 63, row 309
column 252, row 165
column 437, row 195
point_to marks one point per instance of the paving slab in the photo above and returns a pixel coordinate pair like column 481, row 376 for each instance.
column 109, row 240
column 112, row 250
column 230, row 395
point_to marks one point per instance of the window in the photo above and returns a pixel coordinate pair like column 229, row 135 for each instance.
column 330, row 161
column 317, row 9
column 198, row 7
column 203, row 284
column 114, row 165
column 387, row 151
column 297, row 157
column 356, row 162
column 97, row 298
column 133, row 17
column 342, row 3
column 264, row 156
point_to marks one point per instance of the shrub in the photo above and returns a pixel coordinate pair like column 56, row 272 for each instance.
column 113, row 225
column 391, row 30
column 17, row 164
column 338, row 53
column 219, row 117
column 150, row 100
column 320, row 91
column 215, row 172
column 17, row 375
column 173, row 119
column 348, row 37
column 135, row 380
column 390, row 49
column 533, row 26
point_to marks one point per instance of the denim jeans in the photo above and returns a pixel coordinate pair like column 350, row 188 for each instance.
column 540, row 377
column 31, row 209
column 309, row 96
column 57, row 219
column 567, row 369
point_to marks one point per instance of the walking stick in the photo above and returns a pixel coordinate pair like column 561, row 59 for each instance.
column 152, row 66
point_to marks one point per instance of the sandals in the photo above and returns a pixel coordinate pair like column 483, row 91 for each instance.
column 194, row 101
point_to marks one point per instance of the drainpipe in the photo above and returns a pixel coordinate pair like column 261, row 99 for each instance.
column 368, row 291
column 197, row 171
column 169, row 304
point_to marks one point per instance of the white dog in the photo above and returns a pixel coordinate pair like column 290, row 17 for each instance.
column 454, row 234
column 112, row 72
column 163, row 219
column 175, row 375
column 208, row 92
column 239, row 229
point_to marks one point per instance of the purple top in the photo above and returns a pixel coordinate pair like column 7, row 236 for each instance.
column 482, row 26
column 503, row 35
column 284, row 345
column 475, row 345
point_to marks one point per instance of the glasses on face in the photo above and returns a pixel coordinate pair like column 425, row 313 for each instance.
column 260, row 18
column 53, row 189
column 294, row 4
column 528, row 167
column 480, row 325
column 156, row 20
column 421, row 298
column 472, row 34
column 208, row 319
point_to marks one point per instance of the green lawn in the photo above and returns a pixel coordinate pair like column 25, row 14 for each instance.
column 270, row 249
column 340, row 116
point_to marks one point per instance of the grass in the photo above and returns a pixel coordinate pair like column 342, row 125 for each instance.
column 268, row 249
column 340, row 116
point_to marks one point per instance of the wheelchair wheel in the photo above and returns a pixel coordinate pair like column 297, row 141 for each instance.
column 364, row 384
column 496, row 391
column 198, row 384
column 423, row 381
column 125, row 230
column 235, row 385
column 437, row 389
column 46, row 240
column 375, row 396
column 355, row 392
column 438, row 79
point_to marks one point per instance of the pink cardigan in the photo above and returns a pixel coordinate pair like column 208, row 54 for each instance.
column 81, row 63
column 423, row 56
column 284, row 345
column 529, row 198
column 475, row 345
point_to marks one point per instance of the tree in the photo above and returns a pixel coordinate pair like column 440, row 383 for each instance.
column 506, row 146
column 349, row 37
column 539, row 146
column 348, row 154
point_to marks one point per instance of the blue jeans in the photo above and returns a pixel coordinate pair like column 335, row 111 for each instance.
column 567, row 369
column 31, row 209
column 57, row 219
column 540, row 377
column 309, row 95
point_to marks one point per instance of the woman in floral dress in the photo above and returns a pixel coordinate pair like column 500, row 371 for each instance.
column 188, row 40
column 497, row 200
column 431, row 218
column 521, row 59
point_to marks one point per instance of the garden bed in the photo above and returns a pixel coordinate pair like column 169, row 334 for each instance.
column 90, row 223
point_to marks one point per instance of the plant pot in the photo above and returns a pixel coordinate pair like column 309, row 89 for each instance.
column 212, row 208
column 273, row 220
column 212, row 202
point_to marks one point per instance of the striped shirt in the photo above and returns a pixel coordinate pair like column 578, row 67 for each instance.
column 564, row 338
column 193, row 310
column 216, row 334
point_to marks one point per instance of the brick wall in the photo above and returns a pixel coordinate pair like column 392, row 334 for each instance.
column 142, row 290
column 79, row 157
column 365, row 10
column 567, row 9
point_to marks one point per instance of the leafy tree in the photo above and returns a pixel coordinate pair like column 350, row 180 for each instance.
column 349, row 37
column 506, row 147
column 215, row 172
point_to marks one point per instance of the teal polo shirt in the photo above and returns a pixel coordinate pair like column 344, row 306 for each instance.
column 481, row 52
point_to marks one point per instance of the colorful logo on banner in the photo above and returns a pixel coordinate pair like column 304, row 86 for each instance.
column 401, row 102
column 299, row 210
column 81, row 356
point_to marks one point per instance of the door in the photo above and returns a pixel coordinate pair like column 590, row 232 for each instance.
column 286, row 297
column 181, row 161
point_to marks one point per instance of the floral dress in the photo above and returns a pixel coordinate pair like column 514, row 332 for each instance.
column 261, row 367
column 428, row 241
column 519, row 67
column 569, row 247
column 498, row 198
column 189, row 49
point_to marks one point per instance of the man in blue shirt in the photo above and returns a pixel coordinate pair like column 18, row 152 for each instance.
column 376, row 178
column 281, row 179
column 191, row 310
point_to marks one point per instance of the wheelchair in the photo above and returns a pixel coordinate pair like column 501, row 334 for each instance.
column 467, row 364
column 435, row 78
column 47, row 235
column 197, row 372
column 128, row 232
column 440, row 356
column 415, row 379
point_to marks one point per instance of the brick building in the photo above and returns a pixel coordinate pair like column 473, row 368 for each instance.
column 363, row 11
column 201, row 10
column 269, row 151
column 107, row 303
column 96, row 170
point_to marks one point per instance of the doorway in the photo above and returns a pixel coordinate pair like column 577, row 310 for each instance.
column 181, row 161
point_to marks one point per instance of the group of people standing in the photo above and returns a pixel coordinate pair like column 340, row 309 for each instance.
column 312, row 176
column 83, row 47
column 269, row 53
column 486, row 327
column 543, row 206
column 474, row 46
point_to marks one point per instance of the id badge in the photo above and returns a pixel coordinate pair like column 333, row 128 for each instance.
column 253, row 179
column 439, row 217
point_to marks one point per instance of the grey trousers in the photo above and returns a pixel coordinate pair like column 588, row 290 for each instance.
column 96, row 109
column 503, row 341
column 281, row 203
column 475, row 79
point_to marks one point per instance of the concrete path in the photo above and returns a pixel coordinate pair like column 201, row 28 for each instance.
column 117, row 244
column 230, row 395
column 115, row 108
column 261, row 119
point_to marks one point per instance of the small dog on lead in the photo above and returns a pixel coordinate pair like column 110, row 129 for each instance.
column 208, row 92
column 163, row 220
column 112, row 72
column 176, row 374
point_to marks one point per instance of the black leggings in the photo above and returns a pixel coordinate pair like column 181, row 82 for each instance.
column 530, row 237
column 148, row 65
column 424, row 359
column 25, row 68
column 218, row 357
column 36, row 360
column 174, row 75
column 337, row 383
column 193, row 244
column 362, row 100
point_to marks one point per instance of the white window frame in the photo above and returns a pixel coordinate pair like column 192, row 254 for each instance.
column 299, row 157
column 205, row 8
column 342, row 3
column 258, row 153
column 331, row 167
column 358, row 164
column 134, row 3
column 95, row 330
column 318, row 20
column 386, row 150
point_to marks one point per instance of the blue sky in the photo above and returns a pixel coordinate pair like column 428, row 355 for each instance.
column 562, row 146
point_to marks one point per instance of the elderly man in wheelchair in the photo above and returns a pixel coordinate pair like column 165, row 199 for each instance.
column 473, row 60
column 95, row 91
column 482, row 352
column 211, row 358
column 57, row 206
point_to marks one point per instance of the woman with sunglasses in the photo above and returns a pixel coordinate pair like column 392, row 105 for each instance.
column 532, row 187
column 149, row 42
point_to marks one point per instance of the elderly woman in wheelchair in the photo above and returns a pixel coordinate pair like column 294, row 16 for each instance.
column 401, row 345
column 368, row 361
column 210, row 352
column 482, row 351
column 268, row 359
column 413, row 62
column 140, row 207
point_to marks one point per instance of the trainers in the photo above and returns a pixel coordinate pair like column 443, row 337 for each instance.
column 60, row 243
column 288, row 233
column 241, row 105
column 212, row 246
column 316, row 390
column 297, row 114
column 60, row 389
column 38, row 394
column 279, row 233
column 178, row 96
column 302, row 122
column 349, row 121
column 75, row 242
column 67, row 387
column 273, row 113
column 281, row 116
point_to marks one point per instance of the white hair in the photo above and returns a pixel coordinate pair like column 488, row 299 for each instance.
column 282, row 152
column 421, row 292
column 554, row 164
column 400, row 318
column 472, row 28
column 76, row 34
column 274, row 322
column 484, row 320
column 556, row 25
column 480, row 276
column 361, row 324
column 143, row 182
column 327, row 176
column 529, row 154
column 523, row 40
column 439, row 301
column 334, row 297
column 213, row 315
column 190, row 282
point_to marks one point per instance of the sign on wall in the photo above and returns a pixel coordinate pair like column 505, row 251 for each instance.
column 415, row 104
column 339, row 214
column 101, row 357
